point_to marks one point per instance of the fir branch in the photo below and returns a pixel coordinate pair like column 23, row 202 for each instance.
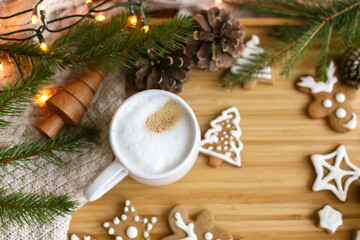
column 96, row 44
column 23, row 155
column 16, row 96
column 320, row 23
column 20, row 208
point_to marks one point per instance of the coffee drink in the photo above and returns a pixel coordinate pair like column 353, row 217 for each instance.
column 154, row 134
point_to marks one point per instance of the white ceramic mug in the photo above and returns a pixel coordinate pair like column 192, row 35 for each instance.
column 118, row 169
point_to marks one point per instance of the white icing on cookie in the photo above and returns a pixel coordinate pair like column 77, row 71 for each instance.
column 116, row 221
column 352, row 123
column 357, row 235
column 340, row 97
column 330, row 218
column 118, row 238
column 145, row 220
column 188, row 229
column 74, row 237
column 123, row 217
column 250, row 52
column 87, row 238
column 137, row 218
column 132, row 209
column 340, row 113
column 316, row 87
column 335, row 172
column 208, row 236
column 126, row 209
column 111, row 231
column 218, row 148
column 127, row 203
column 106, row 224
column 146, row 234
column 153, row 220
column 131, row 232
column 235, row 145
column 327, row 103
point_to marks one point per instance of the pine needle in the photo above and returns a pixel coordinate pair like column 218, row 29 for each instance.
column 26, row 154
column 20, row 208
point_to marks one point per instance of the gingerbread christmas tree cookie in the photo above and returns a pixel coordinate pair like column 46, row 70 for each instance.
column 202, row 228
column 222, row 140
column 130, row 225
column 331, row 100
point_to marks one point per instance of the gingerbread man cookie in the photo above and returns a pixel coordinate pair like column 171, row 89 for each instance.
column 130, row 225
column 331, row 100
column 222, row 140
column 202, row 228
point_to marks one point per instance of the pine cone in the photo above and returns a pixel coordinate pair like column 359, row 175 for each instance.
column 350, row 67
column 217, row 42
column 168, row 72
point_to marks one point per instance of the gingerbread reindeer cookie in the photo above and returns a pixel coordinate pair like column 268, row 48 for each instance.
column 222, row 140
column 202, row 228
column 130, row 225
column 331, row 100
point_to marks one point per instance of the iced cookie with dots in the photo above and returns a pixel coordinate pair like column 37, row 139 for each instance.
column 202, row 228
column 130, row 225
column 331, row 100
column 329, row 219
column 78, row 236
column 222, row 141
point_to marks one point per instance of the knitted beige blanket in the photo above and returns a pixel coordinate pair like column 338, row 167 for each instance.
column 81, row 168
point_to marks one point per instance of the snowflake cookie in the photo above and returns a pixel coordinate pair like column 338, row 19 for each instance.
column 82, row 237
column 250, row 52
column 331, row 100
column 202, row 228
column 130, row 225
column 329, row 219
column 336, row 173
column 222, row 140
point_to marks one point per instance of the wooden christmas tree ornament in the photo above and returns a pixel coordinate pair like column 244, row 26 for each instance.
column 70, row 104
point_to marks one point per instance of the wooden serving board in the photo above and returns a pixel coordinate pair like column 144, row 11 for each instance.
column 270, row 196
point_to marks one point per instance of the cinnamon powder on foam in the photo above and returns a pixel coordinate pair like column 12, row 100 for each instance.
column 164, row 118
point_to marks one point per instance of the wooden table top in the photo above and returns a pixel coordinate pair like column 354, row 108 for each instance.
column 270, row 196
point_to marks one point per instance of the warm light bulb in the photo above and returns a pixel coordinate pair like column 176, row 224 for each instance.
column 1, row 67
column 145, row 28
column 43, row 46
column 132, row 20
column 43, row 96
column 88, row 1
column 34, row 19
column 100, row 18
column 41, row 7
column 218, row 1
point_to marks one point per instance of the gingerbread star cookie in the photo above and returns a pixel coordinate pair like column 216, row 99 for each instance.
column 222, row 140
column 130, row 225
column 202, row 228
column 331, row 100
column 82, row 237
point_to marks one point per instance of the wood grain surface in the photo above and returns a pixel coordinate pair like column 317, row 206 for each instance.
column 270, row 196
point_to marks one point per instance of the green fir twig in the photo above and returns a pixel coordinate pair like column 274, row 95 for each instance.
column 339, row 20
column 26, row 154
column 20, row 208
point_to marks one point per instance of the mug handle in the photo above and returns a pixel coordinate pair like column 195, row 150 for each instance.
column 111, row 176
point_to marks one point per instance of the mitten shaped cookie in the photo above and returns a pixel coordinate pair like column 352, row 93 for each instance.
column 202, row 228
column 331, row 100
column 130, row 225
column 222, row 140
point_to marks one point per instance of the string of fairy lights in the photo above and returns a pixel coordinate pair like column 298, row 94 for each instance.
column 95, row 11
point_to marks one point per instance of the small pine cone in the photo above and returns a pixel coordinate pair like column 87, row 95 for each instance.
column 350, row 67
column 168, row 72
column 217, row 42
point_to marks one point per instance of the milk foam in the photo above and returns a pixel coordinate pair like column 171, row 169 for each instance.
column 151, row 152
